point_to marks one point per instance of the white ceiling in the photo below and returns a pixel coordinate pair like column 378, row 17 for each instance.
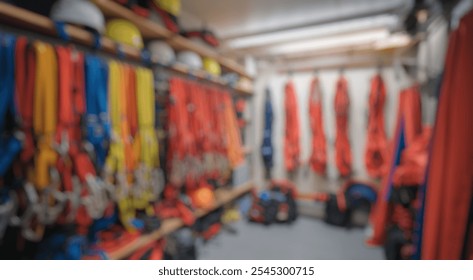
column 230, row 18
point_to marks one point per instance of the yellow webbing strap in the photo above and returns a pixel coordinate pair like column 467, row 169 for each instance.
column 45, row 112
column 148, row 147
column 120, row 145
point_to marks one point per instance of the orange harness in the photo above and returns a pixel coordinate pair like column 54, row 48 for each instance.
column 291, row 140
column 318, row 158
column 376, row 142
column 342, row 143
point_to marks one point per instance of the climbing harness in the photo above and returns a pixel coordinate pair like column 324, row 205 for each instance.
column 318, row 158
column 267, row 145
column 376, row 142
column 343, row 158
column 292, row 134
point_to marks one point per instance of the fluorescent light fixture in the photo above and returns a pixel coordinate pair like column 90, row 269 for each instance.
column 385, row 21
column 397, row 40
column 353, row 39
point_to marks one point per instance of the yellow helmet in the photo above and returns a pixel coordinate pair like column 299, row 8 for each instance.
column 212, row 66
column 171, row 6
column 124, row 32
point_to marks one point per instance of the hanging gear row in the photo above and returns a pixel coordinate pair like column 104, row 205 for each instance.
column 67, row 161
column 204, row 142
column 375, row 157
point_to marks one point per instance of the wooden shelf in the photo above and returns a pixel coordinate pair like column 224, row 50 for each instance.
column 170, row 225
column 151, row 30
column 19, row 17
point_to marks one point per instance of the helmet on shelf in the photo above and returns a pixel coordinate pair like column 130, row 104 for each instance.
column 191, row 59
column 79, row 12
column 212, row 66
column 161, row 52
column 124, row 32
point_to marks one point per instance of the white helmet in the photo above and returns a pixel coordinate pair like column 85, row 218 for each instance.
column 79, row 12
column 191, row 59
column 161, row 52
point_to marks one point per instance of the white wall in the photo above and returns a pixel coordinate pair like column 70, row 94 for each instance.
column 359, row 83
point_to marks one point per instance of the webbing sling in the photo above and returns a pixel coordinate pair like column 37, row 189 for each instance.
column 342, row 143
column 233, row 137
column 291, row 140
column 376, row 142
column 147, row 139
column 25, row 72
column 10, row 146
column 118, row 159
column 97, row 118
column 318, row 158
column 45, row 112
column 73, row 161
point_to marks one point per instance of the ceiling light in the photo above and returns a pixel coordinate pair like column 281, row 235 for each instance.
column 348, row 40
column 385, row 21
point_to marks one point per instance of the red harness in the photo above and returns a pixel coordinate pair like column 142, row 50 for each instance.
column 291, row 140
column 318, row 159
column 376, row 142
column 342, row 143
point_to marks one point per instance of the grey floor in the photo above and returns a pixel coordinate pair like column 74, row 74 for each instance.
column 307, row 238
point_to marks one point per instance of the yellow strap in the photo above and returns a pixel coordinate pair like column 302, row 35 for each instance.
column 149, row 153
column 45, row 112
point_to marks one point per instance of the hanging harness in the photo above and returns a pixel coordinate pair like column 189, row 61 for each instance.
column 343, row 157
column 291, row 140
column 267, row 145
column 376, row 142
column 318, row 158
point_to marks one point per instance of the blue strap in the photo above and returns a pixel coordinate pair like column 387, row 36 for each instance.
column 97, row 117
column 9, row 145
column 61, row 30
column 267, row 145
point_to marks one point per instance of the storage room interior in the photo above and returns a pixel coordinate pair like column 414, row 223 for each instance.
column 251, row 129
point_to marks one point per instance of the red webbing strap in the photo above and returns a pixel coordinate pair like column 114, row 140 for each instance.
column 318, row 158
column 25, row 68
column 343, row 158
column 450, row 180
column 411, row 111
column 291, row 140
column 376, row 142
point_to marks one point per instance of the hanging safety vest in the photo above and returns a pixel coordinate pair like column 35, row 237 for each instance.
column 234, row 145
column 342, row 143
column 292, row 134
column 318, row 158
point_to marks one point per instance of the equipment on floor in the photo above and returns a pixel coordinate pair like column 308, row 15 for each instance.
column 79, row 12
column 154, row 250
column 318, row 158
column 210, row 225
column 292, row 130
column 351, row 205
column 124, row 32
column 376, row 142
column 343, row 157
column 277, row 204
column 180, row 245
